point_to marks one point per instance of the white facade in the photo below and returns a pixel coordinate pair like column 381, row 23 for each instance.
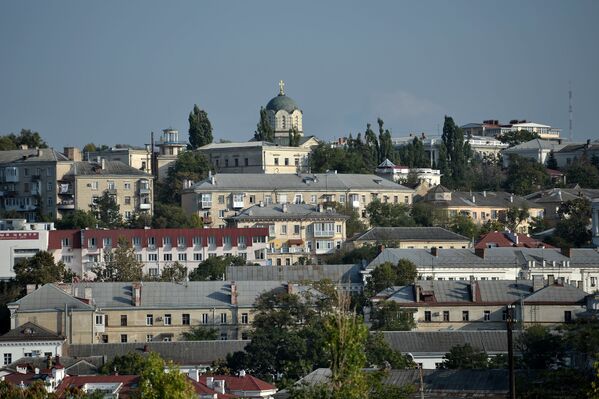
column 20, row 240
column 14, row 350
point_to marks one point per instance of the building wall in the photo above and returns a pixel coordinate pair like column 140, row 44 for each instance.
column 16, row 245
column 19, row 349
column 221, row 206
column 550, row 314
column 136, row 158
column 424, row 244
column 258, row 159
column 80, row 326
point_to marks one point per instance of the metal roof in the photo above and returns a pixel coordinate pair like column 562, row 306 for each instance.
column 410, row 234
column 442, row 341
column 50, row 297
column 31, row 155
column 83, row 168
column 296, row 273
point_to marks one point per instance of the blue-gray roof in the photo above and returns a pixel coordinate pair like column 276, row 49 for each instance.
column 442, row 341
column 297, row 273
column 282, row 102
column 410, row 234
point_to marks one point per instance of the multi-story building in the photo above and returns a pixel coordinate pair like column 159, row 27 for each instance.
column 169, row 148
column 401, row 174
column 492, row 128
column 482, row 305
column 575, row 266
column 258, row 157
column 28, row 182
column 29, row 340
column 222, row 196
column 481, row 207
column 571, row 152
column 86, row 181
column 138, row 158
column 296, row 230
column 20, row 240
column 91, row 313
column 538, row 150
column 84, row 250
column 551, row 200
column 411, row 237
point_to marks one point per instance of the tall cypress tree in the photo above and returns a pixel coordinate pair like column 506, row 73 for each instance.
column 456, row 154
column 200, row 128
column 264, row 132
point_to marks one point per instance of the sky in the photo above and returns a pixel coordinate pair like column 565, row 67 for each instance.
column 111, row 72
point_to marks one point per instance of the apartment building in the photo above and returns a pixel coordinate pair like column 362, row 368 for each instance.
column 482, row 207
column 400, row 174
column 223, row 195
column 92, row 313
column 84, row 250
column 482, row 305
column 258, row 157
column 575, row 266
column 84, row 182
column 295, row 230
column 410, row 237
column 537, row 150
column 551, row 200
column 493, row 128
column 28, row 182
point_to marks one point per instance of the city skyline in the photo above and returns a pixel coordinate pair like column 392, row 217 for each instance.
column 111, row 73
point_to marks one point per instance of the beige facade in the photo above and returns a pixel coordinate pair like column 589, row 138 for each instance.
column 138, row 158
column 296, row 231
column 221, row 196
column 85, row 182
column 257, row 157
column 169, row 148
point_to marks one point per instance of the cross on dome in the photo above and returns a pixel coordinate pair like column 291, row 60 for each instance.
column 281, row 88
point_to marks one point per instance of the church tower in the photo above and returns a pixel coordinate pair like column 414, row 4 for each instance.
column 284, row 114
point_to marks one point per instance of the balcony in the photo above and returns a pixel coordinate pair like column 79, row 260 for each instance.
column 238, row 204
column 207, row 219
column 111, row 191
column 145, row 207
column 205, row 204
column 324, row 233
column 355, row 203
column 66, row 205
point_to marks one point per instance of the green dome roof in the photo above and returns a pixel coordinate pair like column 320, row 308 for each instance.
column 282, row 102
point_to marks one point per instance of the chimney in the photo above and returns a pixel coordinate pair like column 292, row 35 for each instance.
column 381, row 248
column 219, row 386
column 435, row 251
column 320, row 208
column 550, row 279
column 567, row 252
column 36, row 371
column 88, row 293
column 30, row 288
column 485, row 193
column 242, row 373
column 537, row 283
column 480, row 252
column 588, row 143
column 103, row 163
column 473, row 198
column 136, row 294
column 73, row 153
column 233, row 293
column 417, row 290
column 194, row 374
column 261, row 203
column 289, row 288
column 285, row 208
column 210, row 382
column 473, row 288
column 511, row 197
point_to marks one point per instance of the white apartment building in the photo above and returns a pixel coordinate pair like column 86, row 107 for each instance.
column 20, row 240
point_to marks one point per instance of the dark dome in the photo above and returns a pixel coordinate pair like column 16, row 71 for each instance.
column 282, row 102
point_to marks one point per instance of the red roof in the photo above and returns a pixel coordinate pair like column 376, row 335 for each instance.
column 245, row 383
column 202, row 389
column 130, row 382
column 501, row 239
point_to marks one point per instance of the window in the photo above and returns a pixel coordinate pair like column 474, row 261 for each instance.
column 153, row 257
column 136, row 241
column 168, row 257
column 110, row 185
column 247, row 162
column 221, row 199
column 227, row 163
column 313, row 199
column 167, row 319
column 28, row 354
column 487, row 315
column 223, row 336
column 241, row 242
column 123, row 338
column 236, row 161
column 197, row 241
column 283, row 229
column 276, row 161
column 211, row 240
column 7, row 358
column 204, row 318
column 282, row 198
column 567, row 316
column 185, row 319
column 65, row 242
column 296, row 161
column 465, row 315
column 123, row 320
column 99, row 319
column 244, row 318
column 151, row 242
column 227, row 240
column 127, row 185
column 223, row 318
column 427, row 315
column 338, row 228
column 127, row 200
column 298, row 199
column 149, row 338
column 107, row 242
column 286, row 161
column 268, row 199
column 342, row 198
column 197, row 256
column 593, row 281
column 446, row 315
column 296, row 229
column 104, row 339
column 183, row 257
column 67, row 259
column 221, row 213
column 149, row 320
column 166, row 241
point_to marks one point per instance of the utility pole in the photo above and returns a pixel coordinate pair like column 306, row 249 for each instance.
column 510, row 351
column 570, row 110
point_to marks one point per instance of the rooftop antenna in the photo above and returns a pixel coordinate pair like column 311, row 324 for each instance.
column 570, row 110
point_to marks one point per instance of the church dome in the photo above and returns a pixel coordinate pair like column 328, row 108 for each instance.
column 282, row 102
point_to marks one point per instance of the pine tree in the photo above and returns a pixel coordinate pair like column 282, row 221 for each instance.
column 200, row 129
column 454, row 154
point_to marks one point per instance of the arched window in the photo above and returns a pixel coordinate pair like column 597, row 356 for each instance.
column 284, row 122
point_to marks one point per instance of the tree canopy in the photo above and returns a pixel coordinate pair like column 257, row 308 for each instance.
column 190, row 166
column 264, row 132
column 41, row 269
column 516, row 137
column 389, row 214
column 454, row 155
column 214, row 268
column 26, row 137
column 120, row 264
column 200, row 128
column 107, row 212
column 78, row 219
column 465, row 357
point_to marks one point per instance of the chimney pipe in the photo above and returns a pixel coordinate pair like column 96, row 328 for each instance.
column 537, row 283
column 233, row 293
column 473, row 288
column 417, row 290
column 136, row 294
column 480, row 252
column 435, row 251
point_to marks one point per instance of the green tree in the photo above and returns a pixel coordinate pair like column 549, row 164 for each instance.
column 391, row 316
column 425, row 214
column 190, row 166
column 583, row 173
column 200, row 129
column 490, row 226
column 140, row 220
column 464, row 225
column 170, row 216
column 264, row 132
column 525, row 176
column 174, row 272
column 325, row 158
column 454, row 155
column 120, row 264
column 389, row 214
column 131, row 363
column 6, row 143
column 200, row 333
column 78, row 219
column 156, row 383
column 515, row 216
column 541, row 349
column 551, row 162
column 294, row 137
column 571, row 230
column 26, row 137
column 388, row 275
column 379, row 353
column 107, row 211
column 89, row 147
column 386, row 147
column 516, row 137
column 465, row 357
column 41, row 269
column 413, row 154
column 214, row 268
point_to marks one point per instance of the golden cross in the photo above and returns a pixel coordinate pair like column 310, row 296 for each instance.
column 281, row 87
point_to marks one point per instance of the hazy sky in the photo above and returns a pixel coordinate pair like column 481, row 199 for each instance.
column 112, row 71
